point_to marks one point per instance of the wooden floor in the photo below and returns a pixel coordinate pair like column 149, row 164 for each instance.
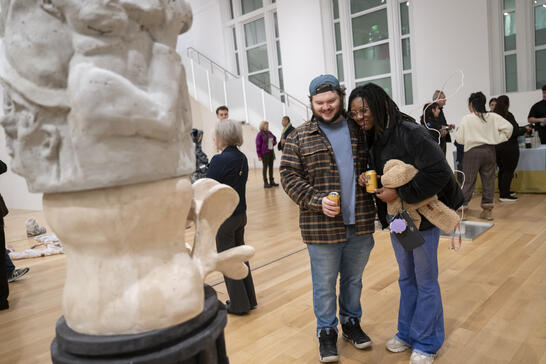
column 494, row 291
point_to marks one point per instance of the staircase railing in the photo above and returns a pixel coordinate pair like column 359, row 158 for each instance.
column 276, row 91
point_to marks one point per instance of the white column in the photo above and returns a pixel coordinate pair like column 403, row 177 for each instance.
column 243, row 80
column 209, row 91
column 263, row 103
column 225, row 92
column 193, row 79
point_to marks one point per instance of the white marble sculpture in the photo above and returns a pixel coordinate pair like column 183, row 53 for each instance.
column 95, row 92
column 97, row 117
column 128, row 268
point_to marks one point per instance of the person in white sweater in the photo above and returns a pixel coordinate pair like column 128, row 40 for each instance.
column 479, row 132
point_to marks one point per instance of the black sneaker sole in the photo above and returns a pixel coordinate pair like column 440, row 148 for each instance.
column 329, row 359
column 363, row 345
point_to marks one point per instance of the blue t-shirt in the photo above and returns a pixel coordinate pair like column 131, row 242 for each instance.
column 340, row 139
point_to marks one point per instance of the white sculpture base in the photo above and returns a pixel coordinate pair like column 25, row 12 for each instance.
column 128, row 269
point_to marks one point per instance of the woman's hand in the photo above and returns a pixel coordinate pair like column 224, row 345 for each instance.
column 386, row 194
column 362, row 180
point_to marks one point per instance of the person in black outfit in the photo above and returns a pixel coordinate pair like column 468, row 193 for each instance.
column 390, row 134
column 440, row 98
column 537, row 116
column 231, row 168
column 430, row 120
column 4, row 288
column 285, row 132
column 507, row 152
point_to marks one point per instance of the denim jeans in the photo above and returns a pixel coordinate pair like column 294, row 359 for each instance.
column 348, row 259
column 420, row 316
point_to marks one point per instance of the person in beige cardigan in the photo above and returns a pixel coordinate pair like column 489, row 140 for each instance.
column 479, row 132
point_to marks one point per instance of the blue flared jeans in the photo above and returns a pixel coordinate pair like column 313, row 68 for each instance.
column 420, row 316
column 346, row 259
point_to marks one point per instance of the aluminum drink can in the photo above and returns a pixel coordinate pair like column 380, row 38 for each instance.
column 372, row 181
column 334, row 196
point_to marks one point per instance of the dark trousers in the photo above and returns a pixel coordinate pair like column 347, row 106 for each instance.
column 541, row 132
column 241, row 292
column 10, row 267
column 507, row 160
column 267, row 161
column 4, row 288
column 480, row 160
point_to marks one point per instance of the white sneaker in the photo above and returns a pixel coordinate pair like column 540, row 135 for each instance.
column 418, row 358
column 396, row 345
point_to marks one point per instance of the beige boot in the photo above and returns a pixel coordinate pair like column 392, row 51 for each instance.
column 486, row 214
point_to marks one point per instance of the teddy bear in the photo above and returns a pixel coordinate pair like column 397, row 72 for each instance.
column 397, row 173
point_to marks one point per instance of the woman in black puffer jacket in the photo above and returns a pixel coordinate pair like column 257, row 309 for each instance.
column 507, row 152
column 390, row 134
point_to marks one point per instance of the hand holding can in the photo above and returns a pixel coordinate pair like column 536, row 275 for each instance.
column 330, row 204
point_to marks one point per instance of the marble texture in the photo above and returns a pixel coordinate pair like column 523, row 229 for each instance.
column 94, row 92
column 128, row 267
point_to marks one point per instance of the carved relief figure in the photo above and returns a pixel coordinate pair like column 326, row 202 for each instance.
column 112, row 74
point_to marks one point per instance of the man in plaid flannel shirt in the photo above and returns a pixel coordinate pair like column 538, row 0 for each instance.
column 326, row 154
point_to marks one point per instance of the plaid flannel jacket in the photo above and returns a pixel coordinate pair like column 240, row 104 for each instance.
column 309, row 172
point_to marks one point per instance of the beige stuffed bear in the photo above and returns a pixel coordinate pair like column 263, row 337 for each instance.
column 397, row 173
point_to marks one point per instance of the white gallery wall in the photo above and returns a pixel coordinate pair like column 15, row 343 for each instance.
column 207, row 31
column 302, row 49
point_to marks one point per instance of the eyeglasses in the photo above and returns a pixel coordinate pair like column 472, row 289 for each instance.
column 361, row 112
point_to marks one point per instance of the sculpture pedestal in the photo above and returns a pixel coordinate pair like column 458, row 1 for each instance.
column 197, row 341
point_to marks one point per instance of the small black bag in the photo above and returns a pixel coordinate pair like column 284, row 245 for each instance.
column 410, row 237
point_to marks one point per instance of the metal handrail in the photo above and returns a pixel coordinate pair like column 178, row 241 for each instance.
column 227, row 73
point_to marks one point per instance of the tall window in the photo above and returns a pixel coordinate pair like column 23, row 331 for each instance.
column 256, row 53
column 510, row 54
column 540, row 42
column 337, row 43
column 406, row 51
column 518, row 49
column 256, row 44
column 378, row 48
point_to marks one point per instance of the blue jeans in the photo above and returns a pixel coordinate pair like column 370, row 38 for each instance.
column 420, row 316
column 9, row 265
column 348, row 259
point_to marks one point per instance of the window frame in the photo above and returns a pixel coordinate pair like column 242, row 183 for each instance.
column 394, row 42
column 525, row 45
column 238, row 22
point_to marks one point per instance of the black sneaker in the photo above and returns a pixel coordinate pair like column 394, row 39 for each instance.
column 267, row 185
column 273, row 184
column 353, row 333
column 508, row 198
column 17, row 273
column 328, row 346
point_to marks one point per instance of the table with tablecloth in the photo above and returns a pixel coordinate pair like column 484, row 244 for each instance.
column 530, row 175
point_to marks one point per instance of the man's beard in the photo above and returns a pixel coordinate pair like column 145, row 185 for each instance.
column 320, row 119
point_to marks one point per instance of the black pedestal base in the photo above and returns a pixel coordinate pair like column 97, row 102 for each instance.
column 197, row 341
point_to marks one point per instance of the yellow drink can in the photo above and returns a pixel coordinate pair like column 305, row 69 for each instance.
column 334, row 196
column 372, row 181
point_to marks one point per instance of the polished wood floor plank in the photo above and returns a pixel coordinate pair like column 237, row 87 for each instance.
column 493, row 289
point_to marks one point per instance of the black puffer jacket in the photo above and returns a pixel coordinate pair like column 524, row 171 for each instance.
column 412, row 144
